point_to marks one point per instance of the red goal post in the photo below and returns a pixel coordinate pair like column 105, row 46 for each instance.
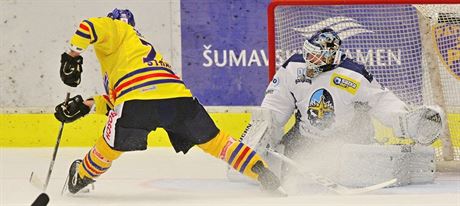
column 406, row 64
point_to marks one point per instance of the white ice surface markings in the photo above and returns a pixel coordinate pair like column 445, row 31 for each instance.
column 158, row 176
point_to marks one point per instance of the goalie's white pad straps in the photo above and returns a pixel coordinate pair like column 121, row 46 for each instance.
column 262, row 130
column 256, row 128
column 423, row 124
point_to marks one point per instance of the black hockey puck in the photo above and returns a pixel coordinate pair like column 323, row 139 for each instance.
column 42, row 200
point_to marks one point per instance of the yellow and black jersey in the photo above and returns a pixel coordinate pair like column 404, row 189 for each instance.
column 130, row 65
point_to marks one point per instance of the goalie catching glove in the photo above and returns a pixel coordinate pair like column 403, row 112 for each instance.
column 71, row 69
column 424, row 124
column 72, row 110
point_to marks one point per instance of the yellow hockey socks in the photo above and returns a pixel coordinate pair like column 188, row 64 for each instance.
column 237, row 154
column 98, row 160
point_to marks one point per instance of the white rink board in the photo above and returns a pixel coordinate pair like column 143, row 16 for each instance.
column 158, row 176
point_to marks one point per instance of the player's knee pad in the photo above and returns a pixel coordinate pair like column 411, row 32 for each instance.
column 106, row 151
column 98, row 160
column 217, row 144
column 237, row 154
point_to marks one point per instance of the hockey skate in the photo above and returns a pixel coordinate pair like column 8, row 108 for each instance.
column 74, row 182
column 267, row 178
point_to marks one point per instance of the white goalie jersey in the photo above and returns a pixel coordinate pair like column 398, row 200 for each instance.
column 339, row 103
column 329, row 102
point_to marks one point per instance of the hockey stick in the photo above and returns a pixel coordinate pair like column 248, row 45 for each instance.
column 326, row 182
column 34, row 180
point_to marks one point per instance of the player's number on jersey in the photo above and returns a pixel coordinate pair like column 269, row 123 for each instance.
column 151, row 55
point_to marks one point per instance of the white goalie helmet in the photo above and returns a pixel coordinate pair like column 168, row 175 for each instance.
column 320, row 51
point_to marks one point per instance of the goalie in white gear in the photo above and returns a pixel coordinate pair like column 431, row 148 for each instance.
column 334, row 99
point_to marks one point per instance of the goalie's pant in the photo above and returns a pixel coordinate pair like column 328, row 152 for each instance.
column 187, row 124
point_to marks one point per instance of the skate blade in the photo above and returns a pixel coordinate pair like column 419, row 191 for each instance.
column 86, row 189
column 280, row 192
column 82, row 191
column 66, row 191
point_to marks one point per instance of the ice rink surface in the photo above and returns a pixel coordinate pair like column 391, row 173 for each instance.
column 159, row 176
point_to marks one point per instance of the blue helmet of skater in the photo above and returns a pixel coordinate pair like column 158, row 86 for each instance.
column 123, row 15
column 320, row 50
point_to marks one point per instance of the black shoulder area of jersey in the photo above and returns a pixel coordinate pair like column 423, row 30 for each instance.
column 356, row 67
column 294, row 58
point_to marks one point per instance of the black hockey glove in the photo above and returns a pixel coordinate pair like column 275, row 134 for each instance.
column 73, row 110
column 71, row 69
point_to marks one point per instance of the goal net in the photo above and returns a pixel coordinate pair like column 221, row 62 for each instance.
column 412, row 49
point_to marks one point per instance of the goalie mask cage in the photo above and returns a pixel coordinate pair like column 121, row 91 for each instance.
column 411, row 47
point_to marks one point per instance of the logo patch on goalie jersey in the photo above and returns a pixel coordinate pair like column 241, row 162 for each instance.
column 302, row 76
column 321, row 109
column 275, row 81
column 345, row 83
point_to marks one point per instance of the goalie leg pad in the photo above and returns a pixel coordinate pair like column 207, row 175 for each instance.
column 422, row 164
column 364, row 165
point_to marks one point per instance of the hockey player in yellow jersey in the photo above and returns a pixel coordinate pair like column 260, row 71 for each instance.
column 142, row 94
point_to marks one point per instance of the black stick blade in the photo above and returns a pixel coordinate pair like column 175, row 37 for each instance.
column 42, row 200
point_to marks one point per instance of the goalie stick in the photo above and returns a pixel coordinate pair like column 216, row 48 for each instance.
column 326, row 182
column 34, row 180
